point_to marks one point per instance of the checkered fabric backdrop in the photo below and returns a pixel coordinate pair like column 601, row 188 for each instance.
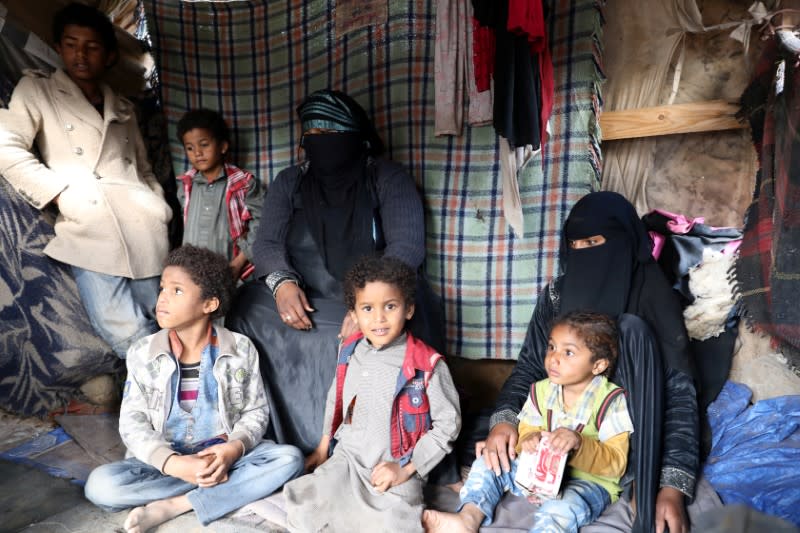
column 255, row 62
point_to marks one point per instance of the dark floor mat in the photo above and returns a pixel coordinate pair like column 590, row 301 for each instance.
column 28, row 495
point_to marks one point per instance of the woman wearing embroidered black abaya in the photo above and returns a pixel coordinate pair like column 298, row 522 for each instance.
column 607, row 266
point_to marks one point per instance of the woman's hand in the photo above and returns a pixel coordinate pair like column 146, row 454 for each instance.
column 499, row 449
column 292, row 306
column 222, row 458
column 388, row 474
column 349, row 327
column 671, row 511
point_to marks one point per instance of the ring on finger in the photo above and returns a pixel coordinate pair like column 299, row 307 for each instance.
column 287, row 318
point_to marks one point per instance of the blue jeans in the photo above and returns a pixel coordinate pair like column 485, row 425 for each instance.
column 131, row 483
column 121, row 310
column 580, row 504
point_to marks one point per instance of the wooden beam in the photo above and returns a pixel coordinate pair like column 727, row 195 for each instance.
column 713, row 115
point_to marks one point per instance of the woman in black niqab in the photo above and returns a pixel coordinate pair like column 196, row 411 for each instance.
column 599, row 277
column 321, row 215
column 336, row 186
column 620, row 275
column 607, row 266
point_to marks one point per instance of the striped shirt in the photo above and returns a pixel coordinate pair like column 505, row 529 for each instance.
column 189, row 385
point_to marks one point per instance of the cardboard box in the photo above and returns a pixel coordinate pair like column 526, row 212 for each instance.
column 540, row 474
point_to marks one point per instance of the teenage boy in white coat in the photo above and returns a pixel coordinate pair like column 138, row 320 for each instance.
column 111, row 227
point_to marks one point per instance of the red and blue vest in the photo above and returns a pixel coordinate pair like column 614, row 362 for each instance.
column 411, row 417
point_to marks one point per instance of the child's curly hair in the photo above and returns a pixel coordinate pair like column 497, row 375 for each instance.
column 597, row 331
column 206, row 119
column 379, row 268
column 209, row 271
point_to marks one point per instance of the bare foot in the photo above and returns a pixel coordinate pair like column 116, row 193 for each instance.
column 142, row 519
column 439, row 522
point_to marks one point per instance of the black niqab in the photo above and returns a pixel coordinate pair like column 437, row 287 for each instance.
column 337, row 199
column 602, row 278
column 620, row 275
column 337, row 190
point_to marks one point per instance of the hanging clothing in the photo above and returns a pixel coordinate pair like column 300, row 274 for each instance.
column 449, row 65
column 483, row 54
column 522, row 68
column 480, row 94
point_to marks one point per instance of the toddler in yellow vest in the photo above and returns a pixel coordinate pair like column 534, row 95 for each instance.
column 584, row 414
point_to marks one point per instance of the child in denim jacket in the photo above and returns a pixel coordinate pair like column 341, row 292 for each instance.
column 194, row 409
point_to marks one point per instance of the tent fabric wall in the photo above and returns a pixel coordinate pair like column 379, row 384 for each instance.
column 660, row 53
column 638, row 78
column 256, row 61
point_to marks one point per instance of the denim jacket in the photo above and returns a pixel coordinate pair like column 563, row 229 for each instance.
column 201, row 426
column 147, row 396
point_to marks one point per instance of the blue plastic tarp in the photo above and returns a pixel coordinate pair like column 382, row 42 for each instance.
column 755, row 453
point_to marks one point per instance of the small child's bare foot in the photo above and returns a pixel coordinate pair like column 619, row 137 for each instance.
column 439, row 522
column 142, row 519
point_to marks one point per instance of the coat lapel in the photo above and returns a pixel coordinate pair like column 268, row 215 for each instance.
column 73, row 103
column 115, row 108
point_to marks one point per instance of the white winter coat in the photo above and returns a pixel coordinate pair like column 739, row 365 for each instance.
column 112, row 213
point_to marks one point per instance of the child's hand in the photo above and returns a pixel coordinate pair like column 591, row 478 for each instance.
column 535, row 499
column 564, row 440
column 236, row 271
column 318, row 456
column 349, row 327
column 186, row 467
column 388, row 474
column 530, row 442
column 315, row 458
column 237, row 265
column 223, row 456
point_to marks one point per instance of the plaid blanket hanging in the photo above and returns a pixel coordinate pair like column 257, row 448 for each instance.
column 255, row 61
column 768, row 267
